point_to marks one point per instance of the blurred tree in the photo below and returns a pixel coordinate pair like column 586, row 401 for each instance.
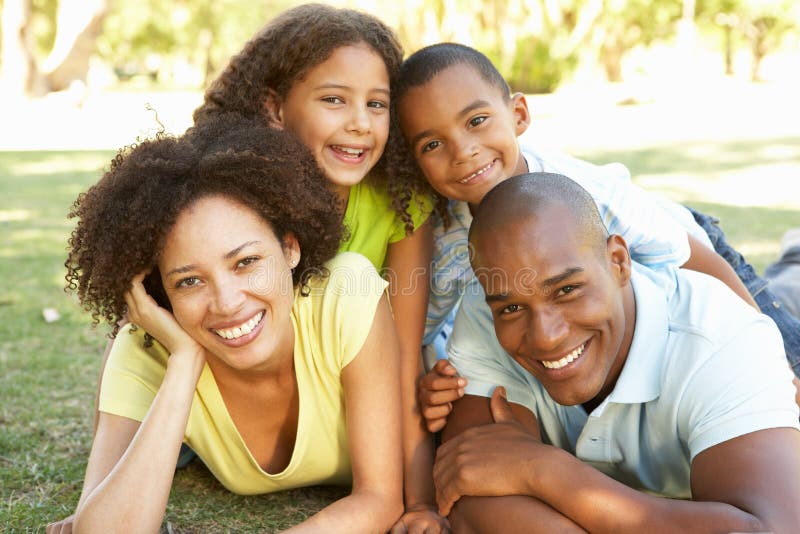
column 762, row 24
column 628, row 23
column 77, row 23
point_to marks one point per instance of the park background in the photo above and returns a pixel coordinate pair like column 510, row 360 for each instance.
column 697, row 97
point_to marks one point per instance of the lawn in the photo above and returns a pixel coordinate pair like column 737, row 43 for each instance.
column 48, row 371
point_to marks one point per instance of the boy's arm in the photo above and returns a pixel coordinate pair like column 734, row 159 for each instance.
column 747, row 484
column 706, row 260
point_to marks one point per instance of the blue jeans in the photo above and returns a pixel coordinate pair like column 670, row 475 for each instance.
column 758, row 287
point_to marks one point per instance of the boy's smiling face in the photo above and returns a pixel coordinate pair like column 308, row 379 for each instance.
column 463, row 132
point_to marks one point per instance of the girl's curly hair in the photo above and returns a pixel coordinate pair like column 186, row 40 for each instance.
column 283, row 52
column 124, row 219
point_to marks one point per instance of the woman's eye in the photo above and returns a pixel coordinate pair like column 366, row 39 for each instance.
column 247, row 261
column 427, row 147
column 191, row 281
column 475, row 121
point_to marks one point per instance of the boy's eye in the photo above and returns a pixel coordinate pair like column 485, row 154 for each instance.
column 427, row 147
column 190, row 281
column 475, row 121
column 332, row 100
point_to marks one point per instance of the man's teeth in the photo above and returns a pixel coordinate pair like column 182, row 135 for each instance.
column 241, row 330
column 476, row 173
column 569, row 358
column 348, row 150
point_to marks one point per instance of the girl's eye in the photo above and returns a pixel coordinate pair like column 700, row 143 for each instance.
column 191, row 281
column 475, row 121
column 377, row 104
column 247, row 261
column 427, row 147
column 333, row 100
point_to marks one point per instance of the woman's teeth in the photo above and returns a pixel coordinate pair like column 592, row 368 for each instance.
column 241, row 330
column 569, row 358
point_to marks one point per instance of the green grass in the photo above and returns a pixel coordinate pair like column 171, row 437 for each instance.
column 48, row 372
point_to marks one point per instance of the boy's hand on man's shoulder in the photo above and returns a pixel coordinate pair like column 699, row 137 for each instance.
column 437, row 391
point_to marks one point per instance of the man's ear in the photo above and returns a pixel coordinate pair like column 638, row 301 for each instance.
column 291, row 249
column 519, row 109
column 619, row 259
column 273, row 105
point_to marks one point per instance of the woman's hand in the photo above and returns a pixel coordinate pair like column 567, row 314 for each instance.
column 145, row 312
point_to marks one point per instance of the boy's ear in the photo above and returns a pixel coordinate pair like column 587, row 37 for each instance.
column 273, row 105
column 522, row 117
column 619, row 258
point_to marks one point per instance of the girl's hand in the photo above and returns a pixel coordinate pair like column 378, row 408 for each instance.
column 145, row 312
column 421, row 519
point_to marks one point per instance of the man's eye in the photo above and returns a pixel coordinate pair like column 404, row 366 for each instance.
column 427, row 147
column 191, row 281
column 475, row 121
column 511, row 308
column 566, row 290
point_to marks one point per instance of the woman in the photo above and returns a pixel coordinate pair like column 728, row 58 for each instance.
column 219, row 245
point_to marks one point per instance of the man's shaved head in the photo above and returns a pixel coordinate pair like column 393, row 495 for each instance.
column 530, row 195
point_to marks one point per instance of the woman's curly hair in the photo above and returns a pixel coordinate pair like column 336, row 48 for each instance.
column 123, row 220
column 283, row 52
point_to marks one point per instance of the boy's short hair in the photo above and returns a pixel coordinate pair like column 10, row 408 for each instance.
column 427, row 62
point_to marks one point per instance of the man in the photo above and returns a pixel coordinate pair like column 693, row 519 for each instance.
column 633, row 408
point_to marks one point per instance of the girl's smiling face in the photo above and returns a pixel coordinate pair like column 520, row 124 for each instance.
column 229, row 281
column 340, row 110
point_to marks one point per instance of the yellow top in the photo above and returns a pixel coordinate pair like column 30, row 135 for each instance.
column 330, row 325
column 373, row 224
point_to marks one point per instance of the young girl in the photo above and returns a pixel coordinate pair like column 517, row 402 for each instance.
column 276, row 363
column 325, row 75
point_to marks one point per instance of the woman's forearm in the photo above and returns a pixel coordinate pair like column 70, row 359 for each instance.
column 133, row 495
column 361, row 511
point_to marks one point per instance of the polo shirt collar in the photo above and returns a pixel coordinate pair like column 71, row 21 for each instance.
column 640, row 379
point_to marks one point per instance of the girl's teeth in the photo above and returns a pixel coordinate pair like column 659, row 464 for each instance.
column 348, row 150
column 476, row 173
column 563, row 362
column 242, row 329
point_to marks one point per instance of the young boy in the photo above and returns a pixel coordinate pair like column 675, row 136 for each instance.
column 461, row 123
column 633, row 410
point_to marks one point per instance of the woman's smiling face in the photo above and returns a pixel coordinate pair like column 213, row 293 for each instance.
column 229, row 281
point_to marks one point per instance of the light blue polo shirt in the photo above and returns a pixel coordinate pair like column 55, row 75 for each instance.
column 703, row 368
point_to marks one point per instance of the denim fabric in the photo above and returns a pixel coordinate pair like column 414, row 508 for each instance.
column 758, row 288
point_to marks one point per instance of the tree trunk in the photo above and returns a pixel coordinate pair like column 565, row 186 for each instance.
column 78, row 24
column 18, row 66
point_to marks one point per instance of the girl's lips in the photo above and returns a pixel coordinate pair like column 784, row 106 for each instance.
column 349, row 154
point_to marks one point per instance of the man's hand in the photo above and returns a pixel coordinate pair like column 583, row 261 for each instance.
column 437, row 391
column 488, row 460
column 421, row 519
